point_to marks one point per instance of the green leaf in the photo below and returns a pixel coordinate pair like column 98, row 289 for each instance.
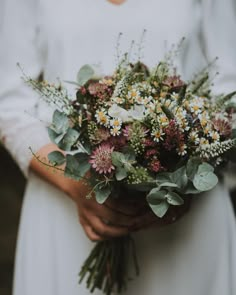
column 156, row 196
column 229, row 96
column 190, row 189
column 160, row 209
column 122, row 160
column 69, row 139
column 168, row 184
column 205, row 181
column 182, row 93
column 72, row 82
column 102, row 194
column 167, row 112
column 121, row 173
column 174, row 199
column 60, row 122
column 163, row 177
column 85, row 73
column 180, row 177
column 118, row 159
column 205, row 167
column 72, row 168
column 192, row 167
column 56, row 158
column 83, row 161
column 52, row 135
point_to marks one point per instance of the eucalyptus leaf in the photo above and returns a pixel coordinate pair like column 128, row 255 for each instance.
column 180, row 177
column 69, row 139
column 83, row 161
column 168, row 184
column 118, row 159
column 160, row 209
column 56, row 158
column 85, row 73
column 192, row 167
column 72, row 169
column 101, row 194
column 163, row 177
column 205, row 181
column 156, row 196
column 52, row 134
column 205, row 167
column 60, row 122
column 122, row 160
column 174, row 199
column 190, row 189
column 72, row 82
column 121, row 173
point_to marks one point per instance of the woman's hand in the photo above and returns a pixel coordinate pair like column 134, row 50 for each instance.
column 116, row 217
column 149, row 219
column 112, row 219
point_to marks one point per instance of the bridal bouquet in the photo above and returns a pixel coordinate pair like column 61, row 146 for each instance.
column 139, row 129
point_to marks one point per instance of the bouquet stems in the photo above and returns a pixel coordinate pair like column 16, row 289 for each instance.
column 107, row 266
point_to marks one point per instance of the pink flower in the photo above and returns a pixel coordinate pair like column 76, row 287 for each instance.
column 150, row 153
column 155, row 166
column 174, row 82
column 223, row 127
column 101, row 159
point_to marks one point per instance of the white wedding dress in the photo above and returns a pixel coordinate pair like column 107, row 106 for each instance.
column 196, row 255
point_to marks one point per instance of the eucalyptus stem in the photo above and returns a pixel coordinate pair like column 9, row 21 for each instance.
column 106, row 267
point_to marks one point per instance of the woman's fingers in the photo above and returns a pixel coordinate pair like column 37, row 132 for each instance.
column 114, row 217
column 106, row 230
column 94, row 237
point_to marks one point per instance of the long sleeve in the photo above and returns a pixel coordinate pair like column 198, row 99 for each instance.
column 219, row 39
column 20, row 42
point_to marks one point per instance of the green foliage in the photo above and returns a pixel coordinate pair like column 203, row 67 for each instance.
column 123, row 163
column 69, row 139
column 77, row 165
column 86, row 73
column 102, row 193
column 168, row 112
column 192, row 167
column 72, row 168
column 61, row 133
column 205, row 179
column 60, row 122
column 56, row 158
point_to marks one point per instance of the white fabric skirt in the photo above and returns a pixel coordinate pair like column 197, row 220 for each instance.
column 196, row 255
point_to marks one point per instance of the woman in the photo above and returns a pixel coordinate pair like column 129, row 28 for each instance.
column 195, row 255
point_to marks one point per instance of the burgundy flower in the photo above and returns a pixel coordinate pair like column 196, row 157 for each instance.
column 174, row 137
column 101, row 159
column 98, row 89
column 83, row 90
column 174, row 82
column 155, row 166
column 150, row 153
column 149, row 142
column 118, row 142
